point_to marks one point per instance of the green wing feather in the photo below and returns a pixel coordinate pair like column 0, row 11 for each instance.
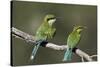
column 43, row 33
column 73, row 39
column 72, row 42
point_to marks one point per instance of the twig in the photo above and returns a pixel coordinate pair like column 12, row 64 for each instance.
column 93, row 56
column 31, row 39
column 82, row 59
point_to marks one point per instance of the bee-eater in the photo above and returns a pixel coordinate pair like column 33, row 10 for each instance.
column 72, row 41
column 44, row 32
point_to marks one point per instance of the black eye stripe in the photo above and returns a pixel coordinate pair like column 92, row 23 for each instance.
column 50, row 18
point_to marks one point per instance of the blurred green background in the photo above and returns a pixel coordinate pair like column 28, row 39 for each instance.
column 28, row 16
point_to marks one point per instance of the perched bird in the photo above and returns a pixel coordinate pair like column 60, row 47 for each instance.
column 44, row 32
column 72, row 41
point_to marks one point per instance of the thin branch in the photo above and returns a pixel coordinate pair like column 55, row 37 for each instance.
column 82, row 59
column 22, row 35
column 83, row 55
column 93, row 56
column 31, row 39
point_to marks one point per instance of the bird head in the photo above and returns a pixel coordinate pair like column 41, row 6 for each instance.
column 50, row 19
column 79, row 28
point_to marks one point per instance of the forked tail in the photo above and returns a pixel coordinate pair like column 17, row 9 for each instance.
column 35, row 51
column 68, row 55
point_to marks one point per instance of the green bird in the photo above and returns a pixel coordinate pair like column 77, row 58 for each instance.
column 72, row 41
column 44, row 32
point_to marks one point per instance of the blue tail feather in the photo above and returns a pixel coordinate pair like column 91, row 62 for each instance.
column 68, row 55
column 35, row 51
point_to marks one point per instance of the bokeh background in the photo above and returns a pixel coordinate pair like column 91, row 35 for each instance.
column 28, row 16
